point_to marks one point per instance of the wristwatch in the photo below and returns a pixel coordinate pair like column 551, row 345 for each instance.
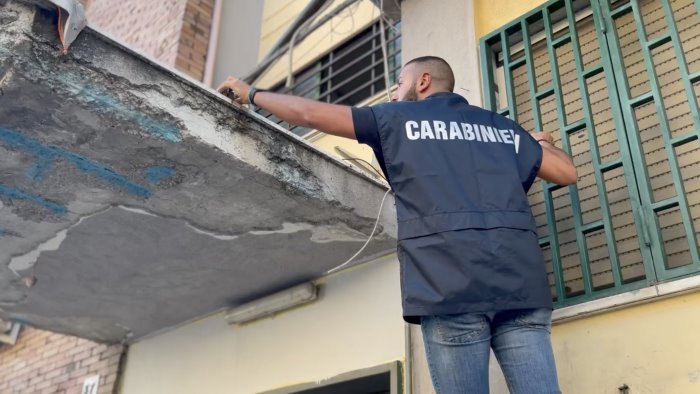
column 251, row 94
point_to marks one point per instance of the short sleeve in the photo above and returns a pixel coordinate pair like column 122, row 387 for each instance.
column 365, row 126
column 529, row 157
column 367, row 132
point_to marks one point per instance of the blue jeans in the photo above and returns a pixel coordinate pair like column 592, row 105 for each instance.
column 458, row 350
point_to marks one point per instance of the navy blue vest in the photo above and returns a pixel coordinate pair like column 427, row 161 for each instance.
column 467, row 237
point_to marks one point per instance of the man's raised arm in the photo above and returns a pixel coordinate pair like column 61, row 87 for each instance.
column 328, row 118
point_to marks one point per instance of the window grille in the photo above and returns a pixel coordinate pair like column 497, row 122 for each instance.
column 350, row 73
column 618, row 82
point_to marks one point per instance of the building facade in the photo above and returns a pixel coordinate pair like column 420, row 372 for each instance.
column 618, row 82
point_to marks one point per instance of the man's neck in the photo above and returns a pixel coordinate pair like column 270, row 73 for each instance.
column 431, row 92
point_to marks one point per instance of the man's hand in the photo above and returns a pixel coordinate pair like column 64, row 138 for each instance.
column 543, row 136
column 328, row 118
column 557, row 166
column 238, row 87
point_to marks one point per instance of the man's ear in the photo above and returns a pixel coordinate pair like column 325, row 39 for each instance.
column 424, row 81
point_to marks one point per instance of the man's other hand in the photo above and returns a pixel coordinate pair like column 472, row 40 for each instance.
column 557, row 166
column 543, row 136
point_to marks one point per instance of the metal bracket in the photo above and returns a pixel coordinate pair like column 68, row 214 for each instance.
column 9, row 331
column 71, row 21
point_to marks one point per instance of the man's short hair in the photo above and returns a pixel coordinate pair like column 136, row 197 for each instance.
column 438, row 68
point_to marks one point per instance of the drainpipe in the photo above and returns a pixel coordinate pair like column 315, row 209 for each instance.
column 213, row 42
column 408, row 365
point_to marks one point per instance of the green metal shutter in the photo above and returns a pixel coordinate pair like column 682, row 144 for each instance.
column 658, row 51
column 578, row 67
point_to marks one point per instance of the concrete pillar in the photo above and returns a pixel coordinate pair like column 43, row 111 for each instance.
column 444, row 28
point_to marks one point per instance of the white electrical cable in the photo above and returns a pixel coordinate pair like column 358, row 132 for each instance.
column 376, row 223
column 388, row 95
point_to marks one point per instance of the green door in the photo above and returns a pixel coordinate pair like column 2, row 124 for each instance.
column 620, row 81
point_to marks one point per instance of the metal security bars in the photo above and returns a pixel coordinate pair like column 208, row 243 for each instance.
column 620, row 82
column 349, row 74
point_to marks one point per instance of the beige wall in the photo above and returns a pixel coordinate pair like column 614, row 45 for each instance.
column 444, row 28
column 653, row 348
column 355, row 324
column 492, row 14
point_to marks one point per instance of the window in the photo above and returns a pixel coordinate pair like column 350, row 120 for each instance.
column 618, row 83
column 383, row 379
column 349, row 74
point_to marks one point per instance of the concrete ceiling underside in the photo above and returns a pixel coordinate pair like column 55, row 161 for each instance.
column 132, row 199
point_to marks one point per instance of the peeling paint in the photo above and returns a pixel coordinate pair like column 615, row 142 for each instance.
column 28, row 260
column 319, row 234
column 46, row 154
column 220, row 172
column 137, row 210
column 12, row 193
column 221, row 237
column 5, row 78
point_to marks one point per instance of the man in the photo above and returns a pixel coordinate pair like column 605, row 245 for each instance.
column 472, row 273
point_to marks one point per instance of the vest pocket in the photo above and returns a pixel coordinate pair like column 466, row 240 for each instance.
column 426, row 225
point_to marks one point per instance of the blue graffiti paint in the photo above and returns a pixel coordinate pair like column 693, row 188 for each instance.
column 157, row 174
column 49, row 153
column 167, row 130
column 16, row 194
column 2, row 232
column 39, row 169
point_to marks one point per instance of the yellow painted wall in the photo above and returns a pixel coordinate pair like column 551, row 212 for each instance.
column 492, row 14
column 278, row 14
column 327, row 143
column 653, row 348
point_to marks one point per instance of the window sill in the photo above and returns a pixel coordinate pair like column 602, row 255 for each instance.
column 636, row 297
